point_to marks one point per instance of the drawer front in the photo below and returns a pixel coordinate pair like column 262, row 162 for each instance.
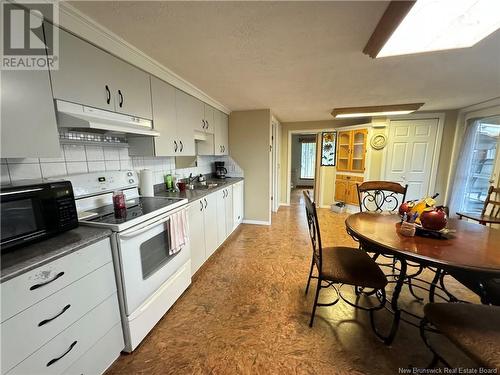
column 27, row 289
column 98, row 358
column 64, row 349
column 41, row 322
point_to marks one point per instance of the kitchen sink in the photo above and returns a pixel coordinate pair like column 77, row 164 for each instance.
column 208, row 186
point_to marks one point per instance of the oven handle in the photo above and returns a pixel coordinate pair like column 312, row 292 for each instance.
column 144, row 229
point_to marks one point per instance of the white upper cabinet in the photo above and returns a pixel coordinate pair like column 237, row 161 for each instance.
column 164, row 118
column 29, row 127
column 131, row 89
column 221, row 133
column 209, row 120
column 88, row 75
column 189, row 115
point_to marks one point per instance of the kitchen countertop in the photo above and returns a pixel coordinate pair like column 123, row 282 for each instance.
column 24, row 259
column 192, row 195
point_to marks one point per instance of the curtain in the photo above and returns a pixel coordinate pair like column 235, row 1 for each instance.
column 463, row 170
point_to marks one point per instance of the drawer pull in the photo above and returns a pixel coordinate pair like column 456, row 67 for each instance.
column 52, row 361
column 36, row 286
column 43, row 322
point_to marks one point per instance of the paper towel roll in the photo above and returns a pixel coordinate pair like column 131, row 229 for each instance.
column 146, row 183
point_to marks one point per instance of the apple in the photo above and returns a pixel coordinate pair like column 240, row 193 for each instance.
column 433, row 218
column 406, row 207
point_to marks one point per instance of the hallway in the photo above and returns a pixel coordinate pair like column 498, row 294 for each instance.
column 246, row 313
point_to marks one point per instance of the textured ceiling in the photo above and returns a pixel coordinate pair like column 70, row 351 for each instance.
column 301, row 59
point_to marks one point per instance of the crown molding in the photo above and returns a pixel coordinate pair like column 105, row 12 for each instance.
column 74, row 21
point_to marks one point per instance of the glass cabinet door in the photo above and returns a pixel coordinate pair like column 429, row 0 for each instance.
column 343, row 151
column 358, row 150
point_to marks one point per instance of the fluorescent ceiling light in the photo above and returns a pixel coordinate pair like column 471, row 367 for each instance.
column 433, row 25
column 386, row 110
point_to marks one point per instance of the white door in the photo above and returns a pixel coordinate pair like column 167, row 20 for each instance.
column 229, row 210
column 410, row 154
column 238, row 203
column 275, row 167
column 221, row 216
column 210, row 223
column 196, row 235
column 164, row 118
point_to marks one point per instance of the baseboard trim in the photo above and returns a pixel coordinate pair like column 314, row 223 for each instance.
column 256, row 222
column 285, row 204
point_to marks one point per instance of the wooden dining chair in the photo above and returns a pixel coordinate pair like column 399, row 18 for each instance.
column 340, row 265
column 475, row 329
column 491, row 209
column 378, row 196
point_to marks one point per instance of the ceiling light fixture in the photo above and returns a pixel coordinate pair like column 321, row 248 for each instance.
column 409, row 27
column 383, row 110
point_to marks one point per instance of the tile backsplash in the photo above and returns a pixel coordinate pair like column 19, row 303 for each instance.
column 77, row 158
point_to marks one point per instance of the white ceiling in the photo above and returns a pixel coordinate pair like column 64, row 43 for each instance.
column 301, row 59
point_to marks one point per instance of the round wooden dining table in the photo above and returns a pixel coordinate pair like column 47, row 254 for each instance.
column 468, row 247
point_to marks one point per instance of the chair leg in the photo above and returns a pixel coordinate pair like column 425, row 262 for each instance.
column 318, row 287
column 310, row 275
column 436, row 358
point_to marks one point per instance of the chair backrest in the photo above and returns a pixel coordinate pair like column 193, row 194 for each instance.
column 493, row 202
column 378, row 196
column 314, row 232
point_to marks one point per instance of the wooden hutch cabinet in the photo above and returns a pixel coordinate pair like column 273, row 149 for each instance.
column 351, row 157
column 351, row 151
column 345, row 188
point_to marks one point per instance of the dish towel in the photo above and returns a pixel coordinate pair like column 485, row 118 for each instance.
column 178, row 231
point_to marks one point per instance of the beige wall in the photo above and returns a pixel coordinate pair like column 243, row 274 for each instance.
column 249, row 140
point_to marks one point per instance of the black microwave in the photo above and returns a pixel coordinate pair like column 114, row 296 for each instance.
column 32, row 211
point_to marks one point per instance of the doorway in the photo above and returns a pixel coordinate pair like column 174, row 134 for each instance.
column 303, row 166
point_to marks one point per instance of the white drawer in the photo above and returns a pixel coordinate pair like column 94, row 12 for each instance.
column 64, row 349
column 27, row 289
column 41, row 322
column 98, row 358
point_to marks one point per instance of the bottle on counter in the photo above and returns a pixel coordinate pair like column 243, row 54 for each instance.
column 169, row 182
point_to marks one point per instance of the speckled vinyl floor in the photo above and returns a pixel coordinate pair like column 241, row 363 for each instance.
column 246, row 313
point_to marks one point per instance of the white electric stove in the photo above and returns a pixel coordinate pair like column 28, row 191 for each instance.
column 149, row 278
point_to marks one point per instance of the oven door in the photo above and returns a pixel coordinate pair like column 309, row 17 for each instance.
column 145, row 260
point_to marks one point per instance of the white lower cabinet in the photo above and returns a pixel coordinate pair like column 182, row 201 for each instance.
column 210, row 224
column 211, row 221
column 221, row 216
column 196, row 235
column 74, row 308
column 229, row 210
column 238, row 203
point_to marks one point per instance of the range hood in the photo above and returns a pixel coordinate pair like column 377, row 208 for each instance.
column 78, row 116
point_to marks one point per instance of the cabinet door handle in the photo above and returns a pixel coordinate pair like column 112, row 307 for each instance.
column 120, row 103
column 36, row 286
column 108, row 94
column 175, row 146
column 208, row 124
column 223, row 148
column 203, row 122
column 201, row 205
column 52, row 361
column 182, row 146
column 43, row 322
column 206, row 203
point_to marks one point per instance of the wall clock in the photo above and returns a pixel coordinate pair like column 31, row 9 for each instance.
column 378, row 141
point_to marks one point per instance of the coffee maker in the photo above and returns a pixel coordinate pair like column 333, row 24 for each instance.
column 220, row 170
